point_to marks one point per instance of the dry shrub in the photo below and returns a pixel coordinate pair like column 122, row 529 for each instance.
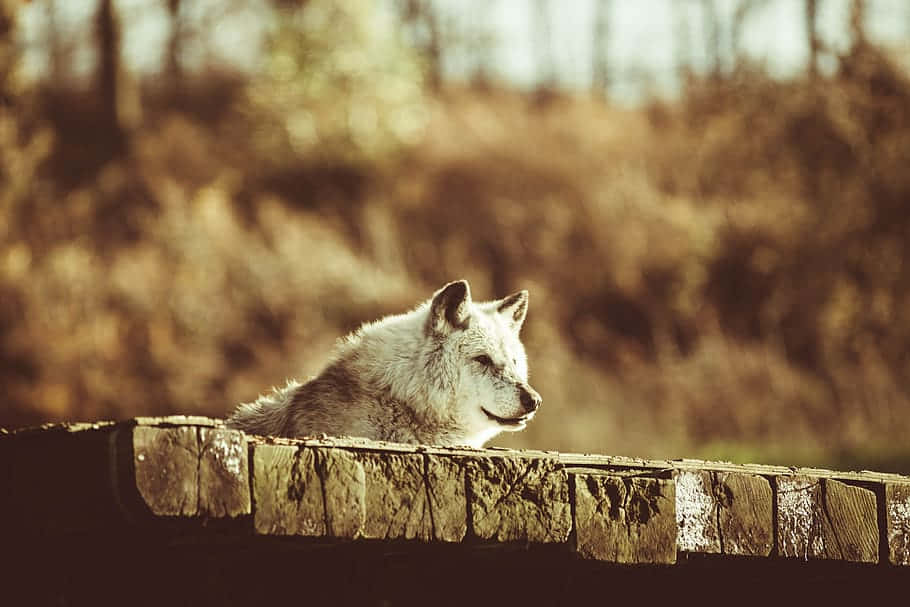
column 182, row 318
column 706, row 278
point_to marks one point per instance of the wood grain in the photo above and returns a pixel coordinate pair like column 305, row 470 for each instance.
column 821, row 518
column 166, row 462
column 897, row 520
column 519, row 500
column 625, row 520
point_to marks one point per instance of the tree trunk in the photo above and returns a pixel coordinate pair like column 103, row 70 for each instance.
column 812, row 37
column 683, row 42
column 59, row 67
column 740, row 17
column 173, row 67
column 107, row 34
column 434, row 46
column 8, row 52
column 543, row 42
column 600, row 65
column 419, row 15
column 858, row 23
column 712, row 37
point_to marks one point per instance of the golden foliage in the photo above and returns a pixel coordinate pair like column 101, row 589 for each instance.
column 722, row 276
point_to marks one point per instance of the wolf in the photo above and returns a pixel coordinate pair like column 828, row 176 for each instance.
column 451, row 372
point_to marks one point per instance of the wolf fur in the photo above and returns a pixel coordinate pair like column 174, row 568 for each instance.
column 450, row 372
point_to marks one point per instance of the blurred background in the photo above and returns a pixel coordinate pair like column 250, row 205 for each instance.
column 709, row 201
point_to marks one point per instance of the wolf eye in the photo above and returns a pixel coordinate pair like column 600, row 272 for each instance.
column 485, row 360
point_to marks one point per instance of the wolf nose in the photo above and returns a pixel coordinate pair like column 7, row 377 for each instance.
column 530, row 399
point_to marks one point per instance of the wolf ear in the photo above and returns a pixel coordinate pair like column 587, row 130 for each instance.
column 450, row 308
column 514, row 308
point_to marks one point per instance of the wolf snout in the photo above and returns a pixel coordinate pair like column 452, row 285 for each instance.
column 530, row 399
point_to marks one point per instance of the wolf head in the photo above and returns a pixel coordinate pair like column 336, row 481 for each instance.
column 478, row 362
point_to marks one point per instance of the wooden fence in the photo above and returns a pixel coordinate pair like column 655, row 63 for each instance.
column 208, row 514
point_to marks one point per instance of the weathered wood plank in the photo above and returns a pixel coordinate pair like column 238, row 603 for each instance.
column 396, row 499
column 447, row 497
column 594, row 462
column 852, row 514
column 348, row 488
column 224, row 484
column 8, row 495
column 696, row 512
column 58, row 479
column 519, row 500
column 617, row 463
column 166, row 461
column 625, row 520
column 897, row 519
column 343, row 491
column 310, row 491
column 287, row 492
column 173, row 421
column 799, row 517
column 745, row 513
column 826, row 519
column 724, row 512
column 57, row 429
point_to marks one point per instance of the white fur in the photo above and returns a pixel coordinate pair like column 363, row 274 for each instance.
column 414, row 377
